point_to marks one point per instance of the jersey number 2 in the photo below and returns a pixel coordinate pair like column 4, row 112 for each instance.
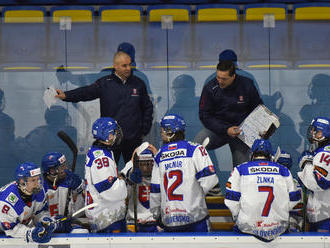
column 269, row 201
column 170, row 189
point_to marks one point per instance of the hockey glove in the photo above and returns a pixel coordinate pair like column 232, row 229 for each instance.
column 305, row 157
column 135, row 175
column 73, row 181
column 38, row 234
column 49, row 224
column 63, row 226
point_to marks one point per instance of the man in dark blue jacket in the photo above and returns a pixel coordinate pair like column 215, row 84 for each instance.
column 124, row 98
column 225, row 102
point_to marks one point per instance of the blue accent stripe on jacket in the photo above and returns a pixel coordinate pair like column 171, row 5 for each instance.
column 154, row 188
column 104, row 185
column 204, row 173
column 295, row 195
column 233, row 195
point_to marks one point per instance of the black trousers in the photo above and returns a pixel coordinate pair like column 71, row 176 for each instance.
column 126, row 148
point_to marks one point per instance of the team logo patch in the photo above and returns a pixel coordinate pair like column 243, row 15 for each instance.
column 12, row 198
column 144, row 196
column 241, row 98
column 98, row 153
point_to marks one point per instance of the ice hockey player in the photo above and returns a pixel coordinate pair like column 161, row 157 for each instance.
column 103, row 184
column 260, row 194
column 296, row 219
column 24, row 211
column 140, row 175
column 64, row 189
column 315, row 176
column 181, row 177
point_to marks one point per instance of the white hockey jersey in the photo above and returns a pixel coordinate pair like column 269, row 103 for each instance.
column 144, row 214
column 260, row 195
column 16, row 216
column 315, row 176
column 181, row 177
column 104, row 187
column 57, row 197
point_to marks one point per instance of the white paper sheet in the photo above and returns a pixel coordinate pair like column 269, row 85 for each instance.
column 49, row 96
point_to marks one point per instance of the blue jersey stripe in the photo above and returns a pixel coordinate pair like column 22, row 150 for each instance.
column 154, row 188
column 104, row 185
column 233, row 195
column 204, row 173
column 295, row 195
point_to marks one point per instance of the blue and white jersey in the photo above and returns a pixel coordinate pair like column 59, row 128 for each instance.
column 105, row 188
column 315, row 176
column 144, row 214
column 16, row 216
column 181, row 177
column 260, row 195
column 57, row 197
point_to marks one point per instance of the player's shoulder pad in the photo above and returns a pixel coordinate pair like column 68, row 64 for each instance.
column 175, row 150
column 326, row 148
column 97, row 152
column 10, row 195
column 40, row 197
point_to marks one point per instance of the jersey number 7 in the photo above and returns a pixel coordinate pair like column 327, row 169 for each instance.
column 170, row 189
column 269, row 201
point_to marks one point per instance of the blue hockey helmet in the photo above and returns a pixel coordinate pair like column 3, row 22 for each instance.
column 173, row 123
column 24, row 171
column 105, row 126
column 53, row 160
column 319, row 131
column 261, row 149
column 284, row 159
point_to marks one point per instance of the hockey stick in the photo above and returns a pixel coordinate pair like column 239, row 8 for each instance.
column 73, row 147
column 206, row 141
column 76, row 221
column 139, row 150
column 95, row 204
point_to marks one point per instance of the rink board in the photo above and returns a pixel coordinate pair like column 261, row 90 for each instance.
column 213, row 240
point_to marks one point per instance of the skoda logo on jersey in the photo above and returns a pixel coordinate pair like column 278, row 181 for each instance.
column 172, row 154
column 263, row 169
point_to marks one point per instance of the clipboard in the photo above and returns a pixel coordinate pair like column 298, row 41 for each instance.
column 261, row 121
